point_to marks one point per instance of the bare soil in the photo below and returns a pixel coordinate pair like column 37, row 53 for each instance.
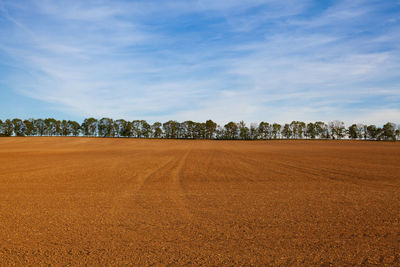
column 93, row 201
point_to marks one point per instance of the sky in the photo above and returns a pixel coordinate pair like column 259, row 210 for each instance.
column 274, row 61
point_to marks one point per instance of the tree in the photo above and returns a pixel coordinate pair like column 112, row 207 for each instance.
column 231, row 130
column 264, row 130
column 371, row 132
column 365, row 132
column 220, row 132
column 19, row 127
column 89, row 127
column 105, row 127
column 379, row 134
column 311, row 131
column 287, row 131
column 29, row 127
column 244, row 132
column 40, row 126
column 57, row 127
column 136, row 128
column 276, row 130
column 146, row 129
column 297, row 128
column 301, row 126
column 170, row 129
column 322, row 130
column 337, row 129
column 50, row 128
column 8, row 128
column 361, row 131
column 188, row 129
column 389, row 131
column 201, row 130
column 253, row 131
column 353, row 131
column 156, row 129
column 1, row 128
column 196, row 130
column 65, row 130
column 122, row 128
column 74, row 128
column 115, row 130
column 211, row 128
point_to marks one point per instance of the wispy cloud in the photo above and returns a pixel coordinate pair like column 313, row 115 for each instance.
column 225, row 60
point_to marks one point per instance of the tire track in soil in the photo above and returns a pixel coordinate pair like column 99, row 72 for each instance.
column 177, row 193
column 166, row 184
column 134, row 185
column 169, row 175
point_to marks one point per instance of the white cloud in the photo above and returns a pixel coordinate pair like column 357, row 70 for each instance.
column 118, row 59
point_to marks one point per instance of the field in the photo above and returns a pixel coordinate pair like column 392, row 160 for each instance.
column 171, row 202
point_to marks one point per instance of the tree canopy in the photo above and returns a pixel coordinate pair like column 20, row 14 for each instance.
column 107, row 127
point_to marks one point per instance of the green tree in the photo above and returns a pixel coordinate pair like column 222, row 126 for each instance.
column 50, row 128
column 293, row 128
column 371, row 132
column 337, row 129
column 361, row 131
column 389, row 131
column 115, row 129
column 253, row 131
column 136, row 128
column 19, row 127
column 301, row 126
column 276, row 130
column 171, row 129
column 89, row 127
column 105, row 127
column 74, row 128
column 40, row 127
column 8, row 128
column 379, row 134
column 264, row 130
column 30, row 128
column 201, row 130
column 188, row 129
column 65, row 130
column 122, row 128
column 297, row 128
column 211, row 128
column 322, row 130
column 220, row 132
column 146, row 129
column 244, row 132
column 156, row 129
column 287, row 131
column 311, row 131
column 57, row 128
column 231, row 130
column 353, row 131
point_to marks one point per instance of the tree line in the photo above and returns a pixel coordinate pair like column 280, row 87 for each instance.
column 107, row 127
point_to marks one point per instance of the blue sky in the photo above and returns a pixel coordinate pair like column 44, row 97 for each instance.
column 273, row 61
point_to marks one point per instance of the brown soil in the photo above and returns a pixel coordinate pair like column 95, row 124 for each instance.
column 99, row 201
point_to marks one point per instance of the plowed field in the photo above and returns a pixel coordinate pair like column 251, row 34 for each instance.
column 100, row 201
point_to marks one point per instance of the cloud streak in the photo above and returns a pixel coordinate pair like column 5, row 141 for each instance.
column 224, row 60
